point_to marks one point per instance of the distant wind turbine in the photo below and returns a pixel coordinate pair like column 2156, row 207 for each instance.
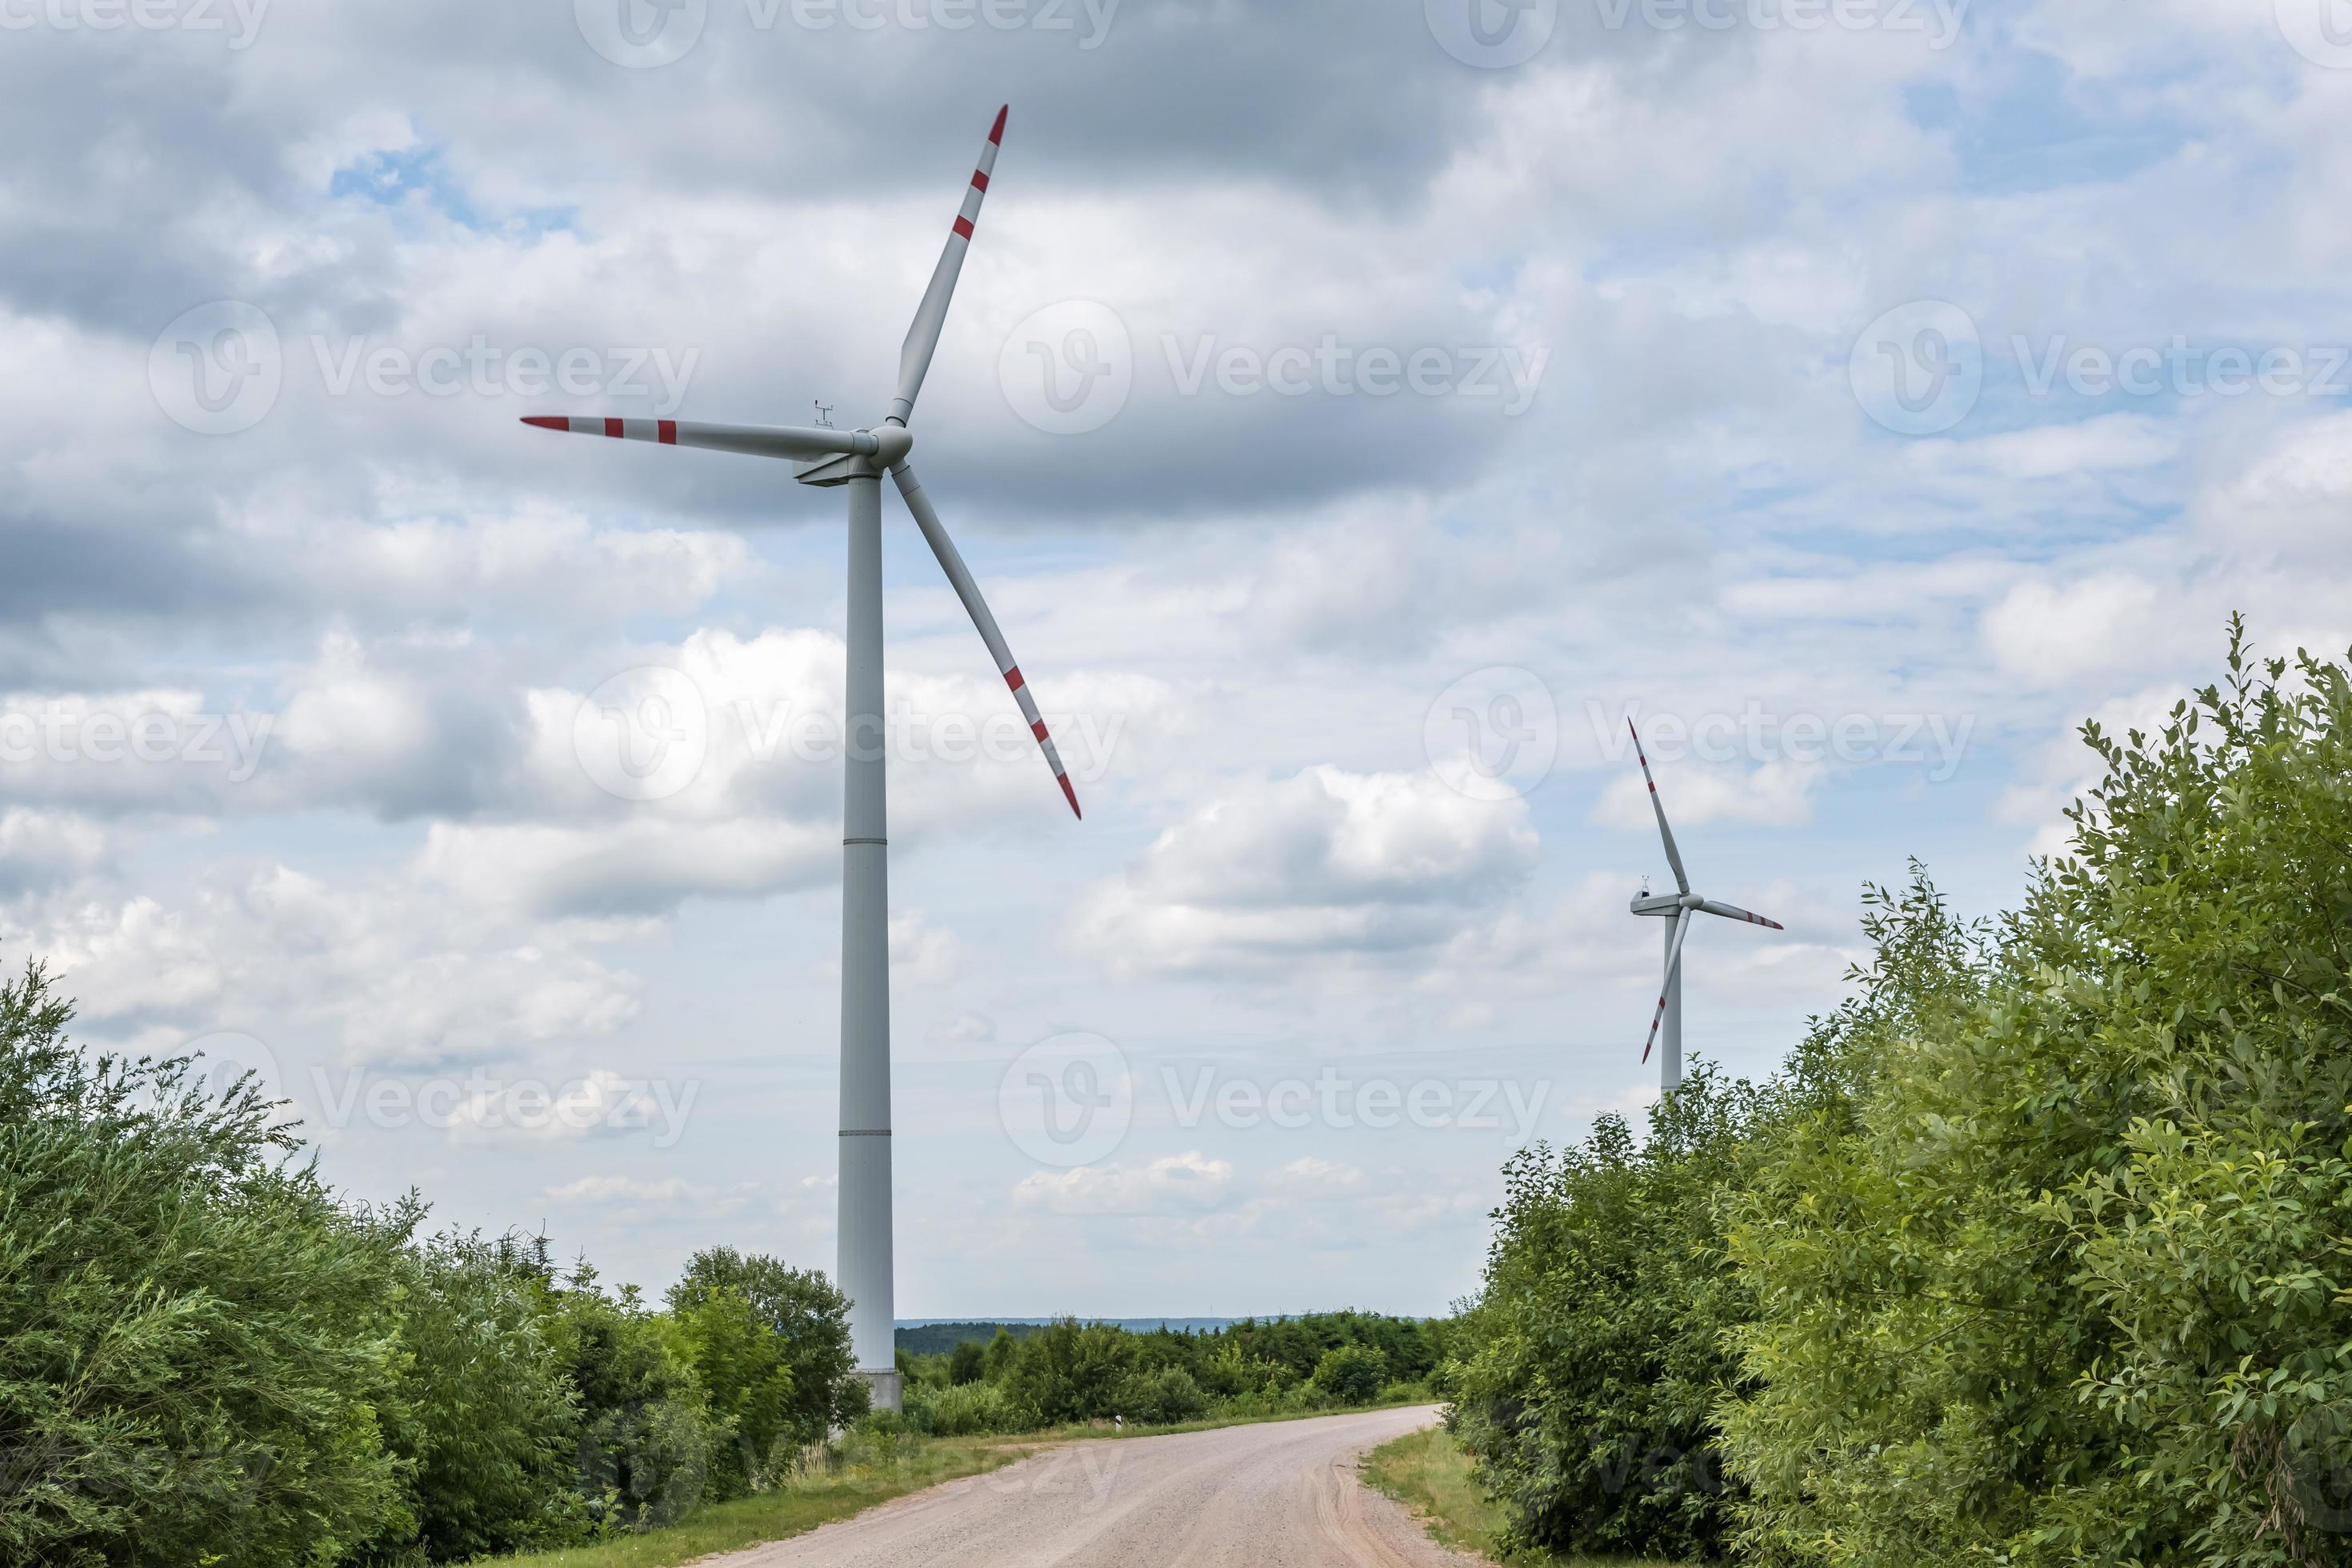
column 855, row 460
column 1681, row 906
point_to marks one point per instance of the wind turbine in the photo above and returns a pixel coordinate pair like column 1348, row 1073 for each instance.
column 1681, row 906
column 855, row 460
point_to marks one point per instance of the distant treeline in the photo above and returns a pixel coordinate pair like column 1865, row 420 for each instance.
column 938, row 1339
column 2038, row 1251
column 1024, row 1376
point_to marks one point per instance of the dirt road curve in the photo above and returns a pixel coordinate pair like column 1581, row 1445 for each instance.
column 1281, row 1495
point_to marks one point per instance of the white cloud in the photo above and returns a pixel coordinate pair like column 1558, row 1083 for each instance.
column 1326, row 863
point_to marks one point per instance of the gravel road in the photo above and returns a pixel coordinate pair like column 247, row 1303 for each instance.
column 1280, row 1495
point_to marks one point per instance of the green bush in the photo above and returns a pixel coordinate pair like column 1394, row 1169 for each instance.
column 811, row 1318
column 747, row 1388
column 646, row 1437
column 193, row 1334
column 968, row 1410
column 481, row 1415
column 1596, row 1343
column 1070, row 1371
column 1159, row 1398
column 2070, row 1285
column 1351, row 1375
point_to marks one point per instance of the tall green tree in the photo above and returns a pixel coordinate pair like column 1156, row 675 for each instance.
column 809, row 1315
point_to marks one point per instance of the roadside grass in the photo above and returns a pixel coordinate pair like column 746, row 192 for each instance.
column 879, row 1473
column 794, row 1509
column 1431, row 1476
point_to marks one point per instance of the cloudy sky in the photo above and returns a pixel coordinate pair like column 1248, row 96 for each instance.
column 1354, row 412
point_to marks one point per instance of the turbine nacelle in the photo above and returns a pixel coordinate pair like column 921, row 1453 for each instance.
column 891, row 443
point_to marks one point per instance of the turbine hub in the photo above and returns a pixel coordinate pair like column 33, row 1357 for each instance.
column 894, row 444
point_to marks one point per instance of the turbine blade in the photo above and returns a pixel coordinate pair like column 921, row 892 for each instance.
column 753, row 440
column 1733, row 913
column 959, row 578
column 923, row 337
column 1674, row 856
column 1674, row 957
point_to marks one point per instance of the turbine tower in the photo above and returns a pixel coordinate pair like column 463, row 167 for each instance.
column 855, row 460
column 1680, row 906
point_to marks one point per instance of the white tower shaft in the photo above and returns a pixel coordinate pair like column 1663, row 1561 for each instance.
column 1670, row 1026
column 865, row 1197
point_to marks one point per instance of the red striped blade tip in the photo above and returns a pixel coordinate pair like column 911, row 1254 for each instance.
column 996, row 131
column 1073, row 796
column 546, row 422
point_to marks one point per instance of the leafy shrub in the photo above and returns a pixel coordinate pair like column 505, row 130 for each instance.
column 647, row 1437
column 968, row 1410
column 1070, row 1371
column 193, row 1333
column 1159, row 1398
column 747, row 1388
column 811, row 1318
column 1588, row 1398
column 2069, row 1285
column 1351, row 1375
column 482, row 1416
